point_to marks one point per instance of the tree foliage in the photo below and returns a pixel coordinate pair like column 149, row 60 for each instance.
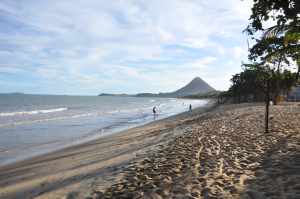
column 276, row 45
column 275, row 29
column 283, row 12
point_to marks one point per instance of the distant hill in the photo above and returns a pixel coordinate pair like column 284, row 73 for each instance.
column 196, row 87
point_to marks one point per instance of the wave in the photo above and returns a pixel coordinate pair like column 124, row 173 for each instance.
column 34, row 112
column 46, row 119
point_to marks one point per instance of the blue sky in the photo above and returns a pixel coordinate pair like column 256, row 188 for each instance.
column 123, row 46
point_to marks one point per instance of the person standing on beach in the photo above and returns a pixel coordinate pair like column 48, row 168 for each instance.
column 190, row 108
column 154, row 111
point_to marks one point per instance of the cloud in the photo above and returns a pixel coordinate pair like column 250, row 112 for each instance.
column 98, row 45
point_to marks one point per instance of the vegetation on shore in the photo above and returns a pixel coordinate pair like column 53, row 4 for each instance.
column 250, row 84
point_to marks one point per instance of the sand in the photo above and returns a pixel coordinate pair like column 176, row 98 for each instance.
column 224, row 155
column 220, row 154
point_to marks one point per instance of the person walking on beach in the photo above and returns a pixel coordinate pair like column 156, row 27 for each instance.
column 154, row 111
column 190, row 108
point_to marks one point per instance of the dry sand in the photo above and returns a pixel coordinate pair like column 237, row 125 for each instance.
column 225, row 155
column 220, row 154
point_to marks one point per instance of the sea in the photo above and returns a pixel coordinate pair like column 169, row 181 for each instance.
column 32, row 125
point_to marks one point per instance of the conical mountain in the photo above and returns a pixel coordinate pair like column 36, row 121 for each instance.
column 196, row 86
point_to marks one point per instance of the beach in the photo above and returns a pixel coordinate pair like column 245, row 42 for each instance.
column 67, row 167
column 216, row 152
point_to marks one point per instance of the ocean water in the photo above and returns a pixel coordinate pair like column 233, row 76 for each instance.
column 35, row 124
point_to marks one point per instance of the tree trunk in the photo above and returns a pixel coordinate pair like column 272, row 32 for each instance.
column 267, row 101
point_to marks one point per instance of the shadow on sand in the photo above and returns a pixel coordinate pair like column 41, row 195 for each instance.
column 279, row 174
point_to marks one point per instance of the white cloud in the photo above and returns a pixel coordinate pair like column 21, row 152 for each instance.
column 93, row 42
column 204, row 62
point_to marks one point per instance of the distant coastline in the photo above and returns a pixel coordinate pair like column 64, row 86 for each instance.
column 197, row 88
column 210, row 94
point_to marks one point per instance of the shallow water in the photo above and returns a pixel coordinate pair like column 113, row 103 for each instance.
column 35, row 124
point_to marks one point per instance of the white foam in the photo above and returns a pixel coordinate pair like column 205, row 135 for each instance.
column 34, row 112
column 47, row 119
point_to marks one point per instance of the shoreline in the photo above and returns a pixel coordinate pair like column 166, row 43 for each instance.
column 16, row 180
column 110, row 130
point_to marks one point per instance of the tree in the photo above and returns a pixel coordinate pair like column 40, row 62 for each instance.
column 246, row 86
column 279, row 41
column 259, row 83
column 277, row 45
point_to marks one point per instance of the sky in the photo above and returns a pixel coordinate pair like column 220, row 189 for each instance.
column 86, row 47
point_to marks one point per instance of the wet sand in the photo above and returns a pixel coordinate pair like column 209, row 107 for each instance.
column 223, row 153
column 85, row 167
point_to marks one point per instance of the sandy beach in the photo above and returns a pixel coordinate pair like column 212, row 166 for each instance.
column 222, row 153
column 82, row 166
